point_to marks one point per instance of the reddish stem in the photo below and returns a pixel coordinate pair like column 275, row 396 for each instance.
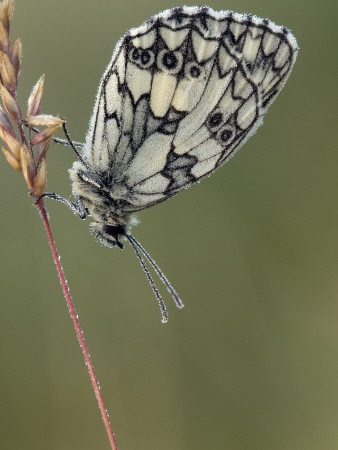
column 78, row 330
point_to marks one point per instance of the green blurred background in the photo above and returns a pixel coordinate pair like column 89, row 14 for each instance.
column 252, row 361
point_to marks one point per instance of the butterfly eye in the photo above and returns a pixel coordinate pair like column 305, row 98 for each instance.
column 168, row 61
column 144, row 58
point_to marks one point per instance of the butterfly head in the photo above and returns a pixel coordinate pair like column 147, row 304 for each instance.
column 109, row 235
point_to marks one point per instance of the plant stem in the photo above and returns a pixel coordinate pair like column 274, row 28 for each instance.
column 79, row 332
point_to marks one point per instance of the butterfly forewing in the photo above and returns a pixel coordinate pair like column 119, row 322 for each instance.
column 182, row 93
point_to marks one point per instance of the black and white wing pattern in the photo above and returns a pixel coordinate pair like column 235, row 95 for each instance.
column 182, row 94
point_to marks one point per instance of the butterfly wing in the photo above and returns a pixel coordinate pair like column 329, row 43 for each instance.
column 182, row 93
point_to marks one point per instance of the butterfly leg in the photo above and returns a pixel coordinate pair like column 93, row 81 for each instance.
column 77, row 206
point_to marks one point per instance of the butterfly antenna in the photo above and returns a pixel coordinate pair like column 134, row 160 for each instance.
column 159, row 272
column 164, row 313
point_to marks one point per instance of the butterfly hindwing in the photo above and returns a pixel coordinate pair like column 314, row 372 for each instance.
column 183, row 92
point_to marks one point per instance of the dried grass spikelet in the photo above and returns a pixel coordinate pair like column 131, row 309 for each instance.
column 34, row 101
column 8, row 72
column 45, row 134
column 7, row 11
column 40, row 179
column 44, row 120
column 4, row 19
column 16, row 164
column 44, row 137
column 11, row 105
column 28, row 167
column 6, row 16
column 4, row 37
column 16, row 55
column 5, row 123
column 42, row 149
column 11, row 142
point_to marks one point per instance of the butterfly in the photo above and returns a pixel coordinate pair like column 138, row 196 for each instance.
column 182, row 93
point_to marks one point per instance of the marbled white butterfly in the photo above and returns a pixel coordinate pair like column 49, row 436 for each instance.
column 181, row 95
